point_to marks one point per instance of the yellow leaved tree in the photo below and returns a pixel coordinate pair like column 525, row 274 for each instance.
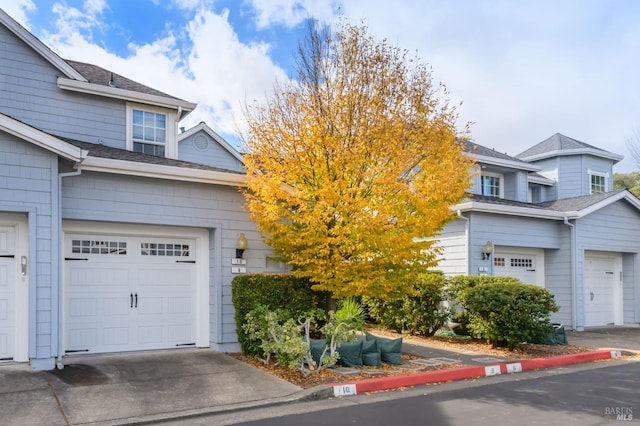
column 352, row 167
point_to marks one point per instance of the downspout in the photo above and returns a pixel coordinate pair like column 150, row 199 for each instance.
column 466, row 230
column 60, row 354
column 574, row 302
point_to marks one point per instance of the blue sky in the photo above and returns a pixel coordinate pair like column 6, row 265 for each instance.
column 522, row 70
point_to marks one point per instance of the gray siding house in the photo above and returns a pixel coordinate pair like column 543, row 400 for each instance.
column 549, row 216
column 117, row 231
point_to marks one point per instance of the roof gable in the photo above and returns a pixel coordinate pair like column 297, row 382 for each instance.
column 559, row 145
column 42, row 49
column 587, row 204
column 202, row 126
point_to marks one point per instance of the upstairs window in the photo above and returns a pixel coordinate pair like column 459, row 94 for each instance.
column 491, row 184
column 598, row 183
column 149, row 132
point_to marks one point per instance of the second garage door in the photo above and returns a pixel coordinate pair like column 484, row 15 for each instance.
column 527, row 265
column 127, row 293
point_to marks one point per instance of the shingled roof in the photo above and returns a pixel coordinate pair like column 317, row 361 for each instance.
column 102, row 151
column 97, row 75
column 560, row 144
column 474, row 148
column 579, row 203
column 505, row 202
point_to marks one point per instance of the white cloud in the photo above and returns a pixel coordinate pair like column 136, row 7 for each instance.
column 18, row 10
column 290, row 13
column 94, row 7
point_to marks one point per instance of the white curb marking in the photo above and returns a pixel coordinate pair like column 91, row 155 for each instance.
column 616, row 354
column 516, row 367
column 492, row 370
column 345, row 390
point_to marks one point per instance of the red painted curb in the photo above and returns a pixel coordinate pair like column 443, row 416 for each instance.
column 463, row 373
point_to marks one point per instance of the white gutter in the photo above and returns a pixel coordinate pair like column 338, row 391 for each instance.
column 158, row 171
column 521, row 165
column 127, row 95
column 41, row 139
column 576, row 151
column 574, row 291
column 509, row 210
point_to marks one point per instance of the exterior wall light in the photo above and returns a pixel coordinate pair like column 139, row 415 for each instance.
column 241, row 245
column 487, row 249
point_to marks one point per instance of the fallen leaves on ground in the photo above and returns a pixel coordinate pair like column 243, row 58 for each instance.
column 328, row 376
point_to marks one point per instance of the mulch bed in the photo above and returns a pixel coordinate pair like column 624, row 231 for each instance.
column 328, row 376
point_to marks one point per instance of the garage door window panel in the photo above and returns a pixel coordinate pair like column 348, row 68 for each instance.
column 165, row 249
column 98, row 247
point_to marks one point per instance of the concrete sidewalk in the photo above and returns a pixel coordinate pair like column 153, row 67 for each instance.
column 143, row 387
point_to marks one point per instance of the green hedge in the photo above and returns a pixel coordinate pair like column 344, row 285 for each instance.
column 421, row 313
column 286, row 293
column 505, row 311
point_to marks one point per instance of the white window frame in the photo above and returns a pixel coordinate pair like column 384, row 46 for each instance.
column 500, row 186
column 593, row 173
column 170, row 145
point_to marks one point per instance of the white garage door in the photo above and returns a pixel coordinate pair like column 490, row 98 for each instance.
column 525, row 265
column 602, row 285
column 126, row 293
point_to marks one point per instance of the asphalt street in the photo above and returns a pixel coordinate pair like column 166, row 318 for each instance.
column 585, row 395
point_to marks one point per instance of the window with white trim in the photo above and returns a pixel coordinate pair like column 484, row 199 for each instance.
column 491, row 184
column 151, row 130
column 598, row 183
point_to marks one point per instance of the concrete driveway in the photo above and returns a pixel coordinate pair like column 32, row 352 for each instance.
column 147, row 386
column 623, row 338
column 124, row 388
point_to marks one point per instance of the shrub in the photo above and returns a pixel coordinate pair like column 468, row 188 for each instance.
column 292, row 296
column 289, row 341
column 506, row 311
column 276, row 336
column 419, row 313
column 455, row 286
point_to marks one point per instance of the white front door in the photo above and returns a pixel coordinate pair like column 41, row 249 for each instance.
column 14, row 288
column 602, row 289
column 7, row 292
column 126, row 293
column 527, row 265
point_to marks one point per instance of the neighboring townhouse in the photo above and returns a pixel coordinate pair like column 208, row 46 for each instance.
column 550, row 217
column 118, row 232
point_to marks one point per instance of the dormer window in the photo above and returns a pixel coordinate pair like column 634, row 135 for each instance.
column 598, row 182
column 151, row 130
column 491, row 184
